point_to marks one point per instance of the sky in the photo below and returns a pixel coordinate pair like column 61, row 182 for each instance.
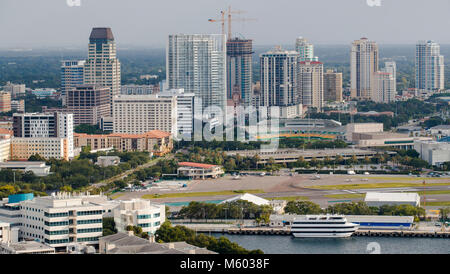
column 147, row 23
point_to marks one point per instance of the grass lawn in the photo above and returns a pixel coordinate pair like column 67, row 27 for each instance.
column 393, row 178
column 115, row 196
column 347, row 196
column 376, row 185
column 200, row 194
column 433, row 192
column 441, row 203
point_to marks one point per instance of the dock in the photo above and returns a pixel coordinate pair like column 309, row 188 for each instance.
column 403, row 233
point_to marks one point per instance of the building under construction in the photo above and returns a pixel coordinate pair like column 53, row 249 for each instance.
column 239, row 69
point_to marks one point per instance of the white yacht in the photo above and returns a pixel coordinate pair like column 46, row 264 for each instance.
column 322, row 226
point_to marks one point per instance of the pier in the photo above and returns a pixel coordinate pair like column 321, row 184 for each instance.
column 403, row 233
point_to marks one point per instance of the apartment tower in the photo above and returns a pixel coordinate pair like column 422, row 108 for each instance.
column 364, row 63
column 279, row 70
column 429, row 66
column 197, row 64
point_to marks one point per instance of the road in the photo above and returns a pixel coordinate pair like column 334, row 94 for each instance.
column 130, row 171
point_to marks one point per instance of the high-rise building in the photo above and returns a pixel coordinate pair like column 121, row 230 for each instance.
column 71, row 76
column 136, row 114
column 429, row 66
column 305, row 49
column 102, row 66
column 364, row 63
column 197, row 64
column 332, row 86
column 185, row 111
column 239, row 69
column 5, row 101
column 88, row 103
column 383, row 87
column 279, row 70
column 310, row 84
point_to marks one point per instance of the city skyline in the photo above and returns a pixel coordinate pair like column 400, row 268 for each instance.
column 157, row 20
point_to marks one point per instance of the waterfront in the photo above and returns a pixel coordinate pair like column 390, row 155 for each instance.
column 272, row 244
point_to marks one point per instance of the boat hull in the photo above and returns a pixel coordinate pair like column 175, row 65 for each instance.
column 322, row 235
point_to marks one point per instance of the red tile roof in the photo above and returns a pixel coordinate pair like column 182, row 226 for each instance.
column 151, row 134
column 190, row 164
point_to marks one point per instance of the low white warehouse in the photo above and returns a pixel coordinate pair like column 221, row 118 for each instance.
column 385, row 198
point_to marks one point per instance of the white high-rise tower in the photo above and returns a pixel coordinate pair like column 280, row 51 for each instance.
column 197, row 64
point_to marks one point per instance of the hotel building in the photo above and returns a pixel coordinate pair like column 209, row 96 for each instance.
column 137, row 114
column 185, row 111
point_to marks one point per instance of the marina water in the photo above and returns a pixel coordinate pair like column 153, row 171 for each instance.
column 272, row 244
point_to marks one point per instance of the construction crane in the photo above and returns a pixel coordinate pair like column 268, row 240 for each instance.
column 229, row 19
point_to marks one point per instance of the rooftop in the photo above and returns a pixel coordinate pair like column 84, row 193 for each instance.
column 151, row 134
column 397, row 197
column 28, row 247
column 190, row 164
column 248, row 197
column 101, row 33
column 130, row 244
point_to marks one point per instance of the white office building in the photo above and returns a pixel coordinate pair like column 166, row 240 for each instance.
column 61, row 219
column 185, row 111
column 197, row 63
column 435, row 153
column 8, row 234
column 137, row 114
column 139, row 212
